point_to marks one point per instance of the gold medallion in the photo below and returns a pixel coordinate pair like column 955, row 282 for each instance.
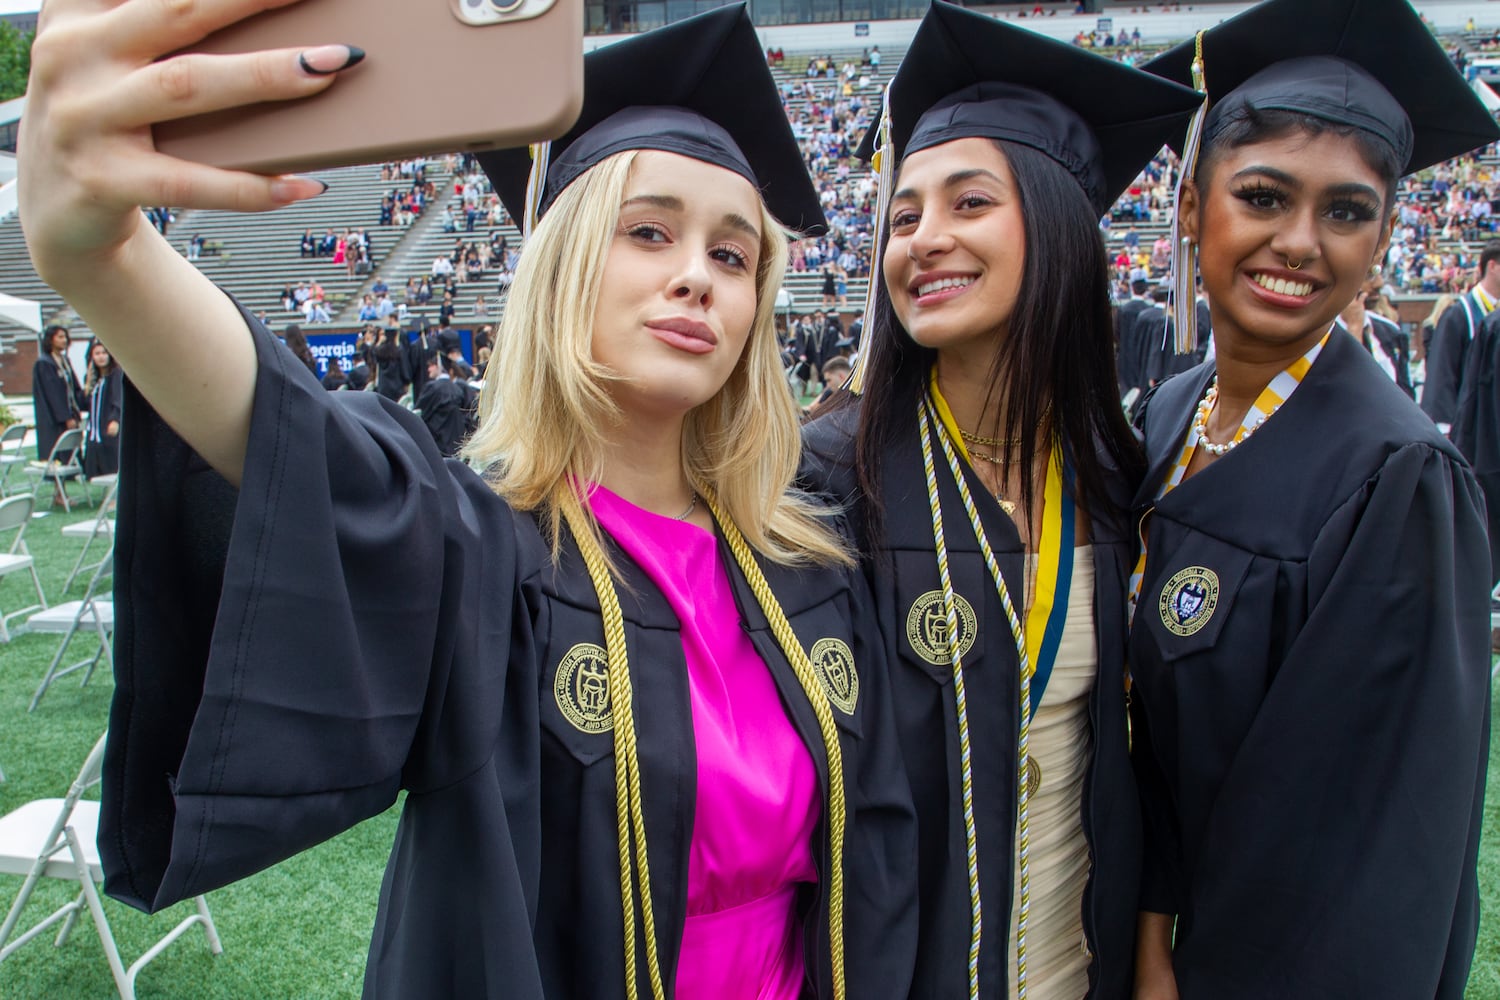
column 1033, row 777
column 582, row 688
column 927, row 627
column 1188, row 600
column 834, row 663
column 1009, row 506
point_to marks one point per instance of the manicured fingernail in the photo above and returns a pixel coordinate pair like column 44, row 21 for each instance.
column 294, row 187
column 328, row 59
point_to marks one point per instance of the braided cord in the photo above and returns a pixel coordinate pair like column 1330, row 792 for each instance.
column 950, row 608
column 628, row 796
column 927, row 419
column 818, row 698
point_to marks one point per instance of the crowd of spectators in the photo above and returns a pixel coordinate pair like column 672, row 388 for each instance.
column 829, row 103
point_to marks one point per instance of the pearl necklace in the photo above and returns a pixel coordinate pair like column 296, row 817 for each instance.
column 1200, row 424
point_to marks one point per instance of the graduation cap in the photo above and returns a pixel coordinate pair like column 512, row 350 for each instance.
column 1330, row 60
column 699, row 87
column 1333, row 60
column 969, row 75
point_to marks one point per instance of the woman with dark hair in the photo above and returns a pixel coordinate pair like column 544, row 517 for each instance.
column 392, row 364
column 104, row 384
column 1309, row 649
column 57, row 399
column 990, row 467
column 296, row 342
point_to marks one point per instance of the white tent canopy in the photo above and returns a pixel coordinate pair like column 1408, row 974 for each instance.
column 22, row 312
column 1487, row 95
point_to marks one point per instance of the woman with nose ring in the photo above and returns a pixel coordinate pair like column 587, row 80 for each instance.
column 1309, row 650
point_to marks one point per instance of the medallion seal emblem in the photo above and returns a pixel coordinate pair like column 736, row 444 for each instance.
column 834, row 663
column 927, row 628
column 1188, row 600
column 582, row 688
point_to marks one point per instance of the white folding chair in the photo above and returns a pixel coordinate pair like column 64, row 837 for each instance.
column 15, row 514
column 64, row 465
column 102, row 528
column 12, row 453
column 95, row 612
column 56, row 838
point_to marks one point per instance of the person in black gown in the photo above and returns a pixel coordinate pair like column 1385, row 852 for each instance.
column 315, row 611
column 989, row 383
column 104, row 385
column 1309, row 649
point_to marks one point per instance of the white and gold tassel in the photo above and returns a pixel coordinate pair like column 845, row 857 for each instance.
column 536, row 183
column 884, row 164
column 1184, row 251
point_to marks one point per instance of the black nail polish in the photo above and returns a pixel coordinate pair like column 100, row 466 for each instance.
column 356, row 56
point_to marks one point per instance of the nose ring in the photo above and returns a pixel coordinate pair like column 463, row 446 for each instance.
column 1293, row 267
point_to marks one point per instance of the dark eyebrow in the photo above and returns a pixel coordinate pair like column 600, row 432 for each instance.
column 1279, row 176
column 955, row 178
column 733, row 220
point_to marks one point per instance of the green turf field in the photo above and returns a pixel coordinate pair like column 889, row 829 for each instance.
column 301, row 929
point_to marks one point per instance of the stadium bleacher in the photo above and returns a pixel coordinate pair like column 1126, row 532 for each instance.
column 255, row 257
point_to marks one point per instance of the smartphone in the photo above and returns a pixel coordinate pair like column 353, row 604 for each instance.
column 440, row 76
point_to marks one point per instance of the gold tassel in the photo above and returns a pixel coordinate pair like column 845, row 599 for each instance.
column 1184, row 253
column 536, row 182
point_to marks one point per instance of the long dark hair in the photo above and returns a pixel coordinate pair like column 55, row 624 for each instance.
column 1055, row 369
column 297, row 341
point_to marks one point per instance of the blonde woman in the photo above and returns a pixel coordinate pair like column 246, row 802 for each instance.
column 624, row 678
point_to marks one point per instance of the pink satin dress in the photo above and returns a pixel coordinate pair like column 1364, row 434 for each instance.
column 758, row 802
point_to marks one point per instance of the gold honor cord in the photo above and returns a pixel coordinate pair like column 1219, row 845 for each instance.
column 628, row 796
column 929, row 424
column 818, row 698
column 627, row 763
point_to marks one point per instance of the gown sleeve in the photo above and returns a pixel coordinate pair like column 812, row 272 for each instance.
column 290, row 654
column 1445, row 358
column 1371, row 746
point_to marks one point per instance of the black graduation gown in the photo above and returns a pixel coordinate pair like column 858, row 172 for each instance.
column 442, row 407
column 903, row 570
column 1392, row 341
column 1476, row 426
column 1129, row 345
column 101, row 453
column 1312, row 742
column 56, row 398
column 1162, row 360
column 1445, row 357
column 361, row 617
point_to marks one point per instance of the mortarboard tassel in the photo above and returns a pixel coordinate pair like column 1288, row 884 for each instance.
column 884, row 162
column 1184, row 253
column 536, row 182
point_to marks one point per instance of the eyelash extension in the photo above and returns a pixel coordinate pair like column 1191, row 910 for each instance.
column 1254, row 191
column 1359, row 210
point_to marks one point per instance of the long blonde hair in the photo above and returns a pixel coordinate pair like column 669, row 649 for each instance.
column 546, row 401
